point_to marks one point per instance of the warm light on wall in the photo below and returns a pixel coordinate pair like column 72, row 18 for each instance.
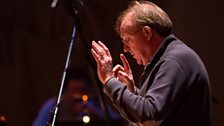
column 84, row 98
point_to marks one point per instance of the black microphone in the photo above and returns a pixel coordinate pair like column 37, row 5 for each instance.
column 54, row 3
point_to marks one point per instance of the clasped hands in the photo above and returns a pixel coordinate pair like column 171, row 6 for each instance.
column 105, row 69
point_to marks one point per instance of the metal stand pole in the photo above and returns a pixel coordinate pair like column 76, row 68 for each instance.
column 55, row 110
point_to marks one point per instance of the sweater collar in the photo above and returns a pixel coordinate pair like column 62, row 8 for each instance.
column 158, row 54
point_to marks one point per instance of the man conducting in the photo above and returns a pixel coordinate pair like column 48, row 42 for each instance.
column 174, row 89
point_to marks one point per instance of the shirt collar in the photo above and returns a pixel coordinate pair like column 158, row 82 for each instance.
column 160, row 51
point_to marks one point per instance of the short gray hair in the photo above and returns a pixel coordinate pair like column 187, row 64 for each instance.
column 147, row 14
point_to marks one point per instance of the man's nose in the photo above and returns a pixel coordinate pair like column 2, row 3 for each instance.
column 126, row 48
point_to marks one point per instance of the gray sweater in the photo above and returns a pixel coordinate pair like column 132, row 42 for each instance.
column 174, row 90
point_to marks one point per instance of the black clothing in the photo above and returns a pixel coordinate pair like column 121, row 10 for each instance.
column 174, row 89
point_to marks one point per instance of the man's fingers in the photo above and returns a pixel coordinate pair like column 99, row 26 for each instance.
column 98, row 49
column 96, row 57
column 125, row 63
column 104, row 48
column 123, row 76
column 116, row 69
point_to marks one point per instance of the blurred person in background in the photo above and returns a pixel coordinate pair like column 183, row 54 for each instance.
column 78, row 100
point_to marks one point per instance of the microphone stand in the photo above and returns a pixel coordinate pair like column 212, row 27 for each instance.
column 55, row 109
column 99, row 92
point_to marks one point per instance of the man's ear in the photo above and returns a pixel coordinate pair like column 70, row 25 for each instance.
column 147, row 32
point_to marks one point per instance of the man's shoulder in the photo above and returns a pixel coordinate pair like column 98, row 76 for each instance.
column 179, row 51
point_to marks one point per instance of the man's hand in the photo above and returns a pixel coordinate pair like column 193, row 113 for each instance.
column 124, row 74
column 104, row 61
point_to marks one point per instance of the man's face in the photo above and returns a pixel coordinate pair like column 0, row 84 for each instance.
column 133, row 40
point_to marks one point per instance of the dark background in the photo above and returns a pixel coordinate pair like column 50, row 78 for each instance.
column 34, row 40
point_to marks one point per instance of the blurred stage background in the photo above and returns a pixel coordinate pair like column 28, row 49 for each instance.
column 34, row 40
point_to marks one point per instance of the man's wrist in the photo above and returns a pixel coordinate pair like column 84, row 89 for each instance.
column 107, row 80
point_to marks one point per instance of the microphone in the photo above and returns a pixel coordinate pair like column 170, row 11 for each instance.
column 54, row 3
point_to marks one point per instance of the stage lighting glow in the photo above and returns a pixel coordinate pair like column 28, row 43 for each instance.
column 84, row 98
column 86, row 119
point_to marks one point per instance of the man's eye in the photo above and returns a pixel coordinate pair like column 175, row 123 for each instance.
column 126, row 40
